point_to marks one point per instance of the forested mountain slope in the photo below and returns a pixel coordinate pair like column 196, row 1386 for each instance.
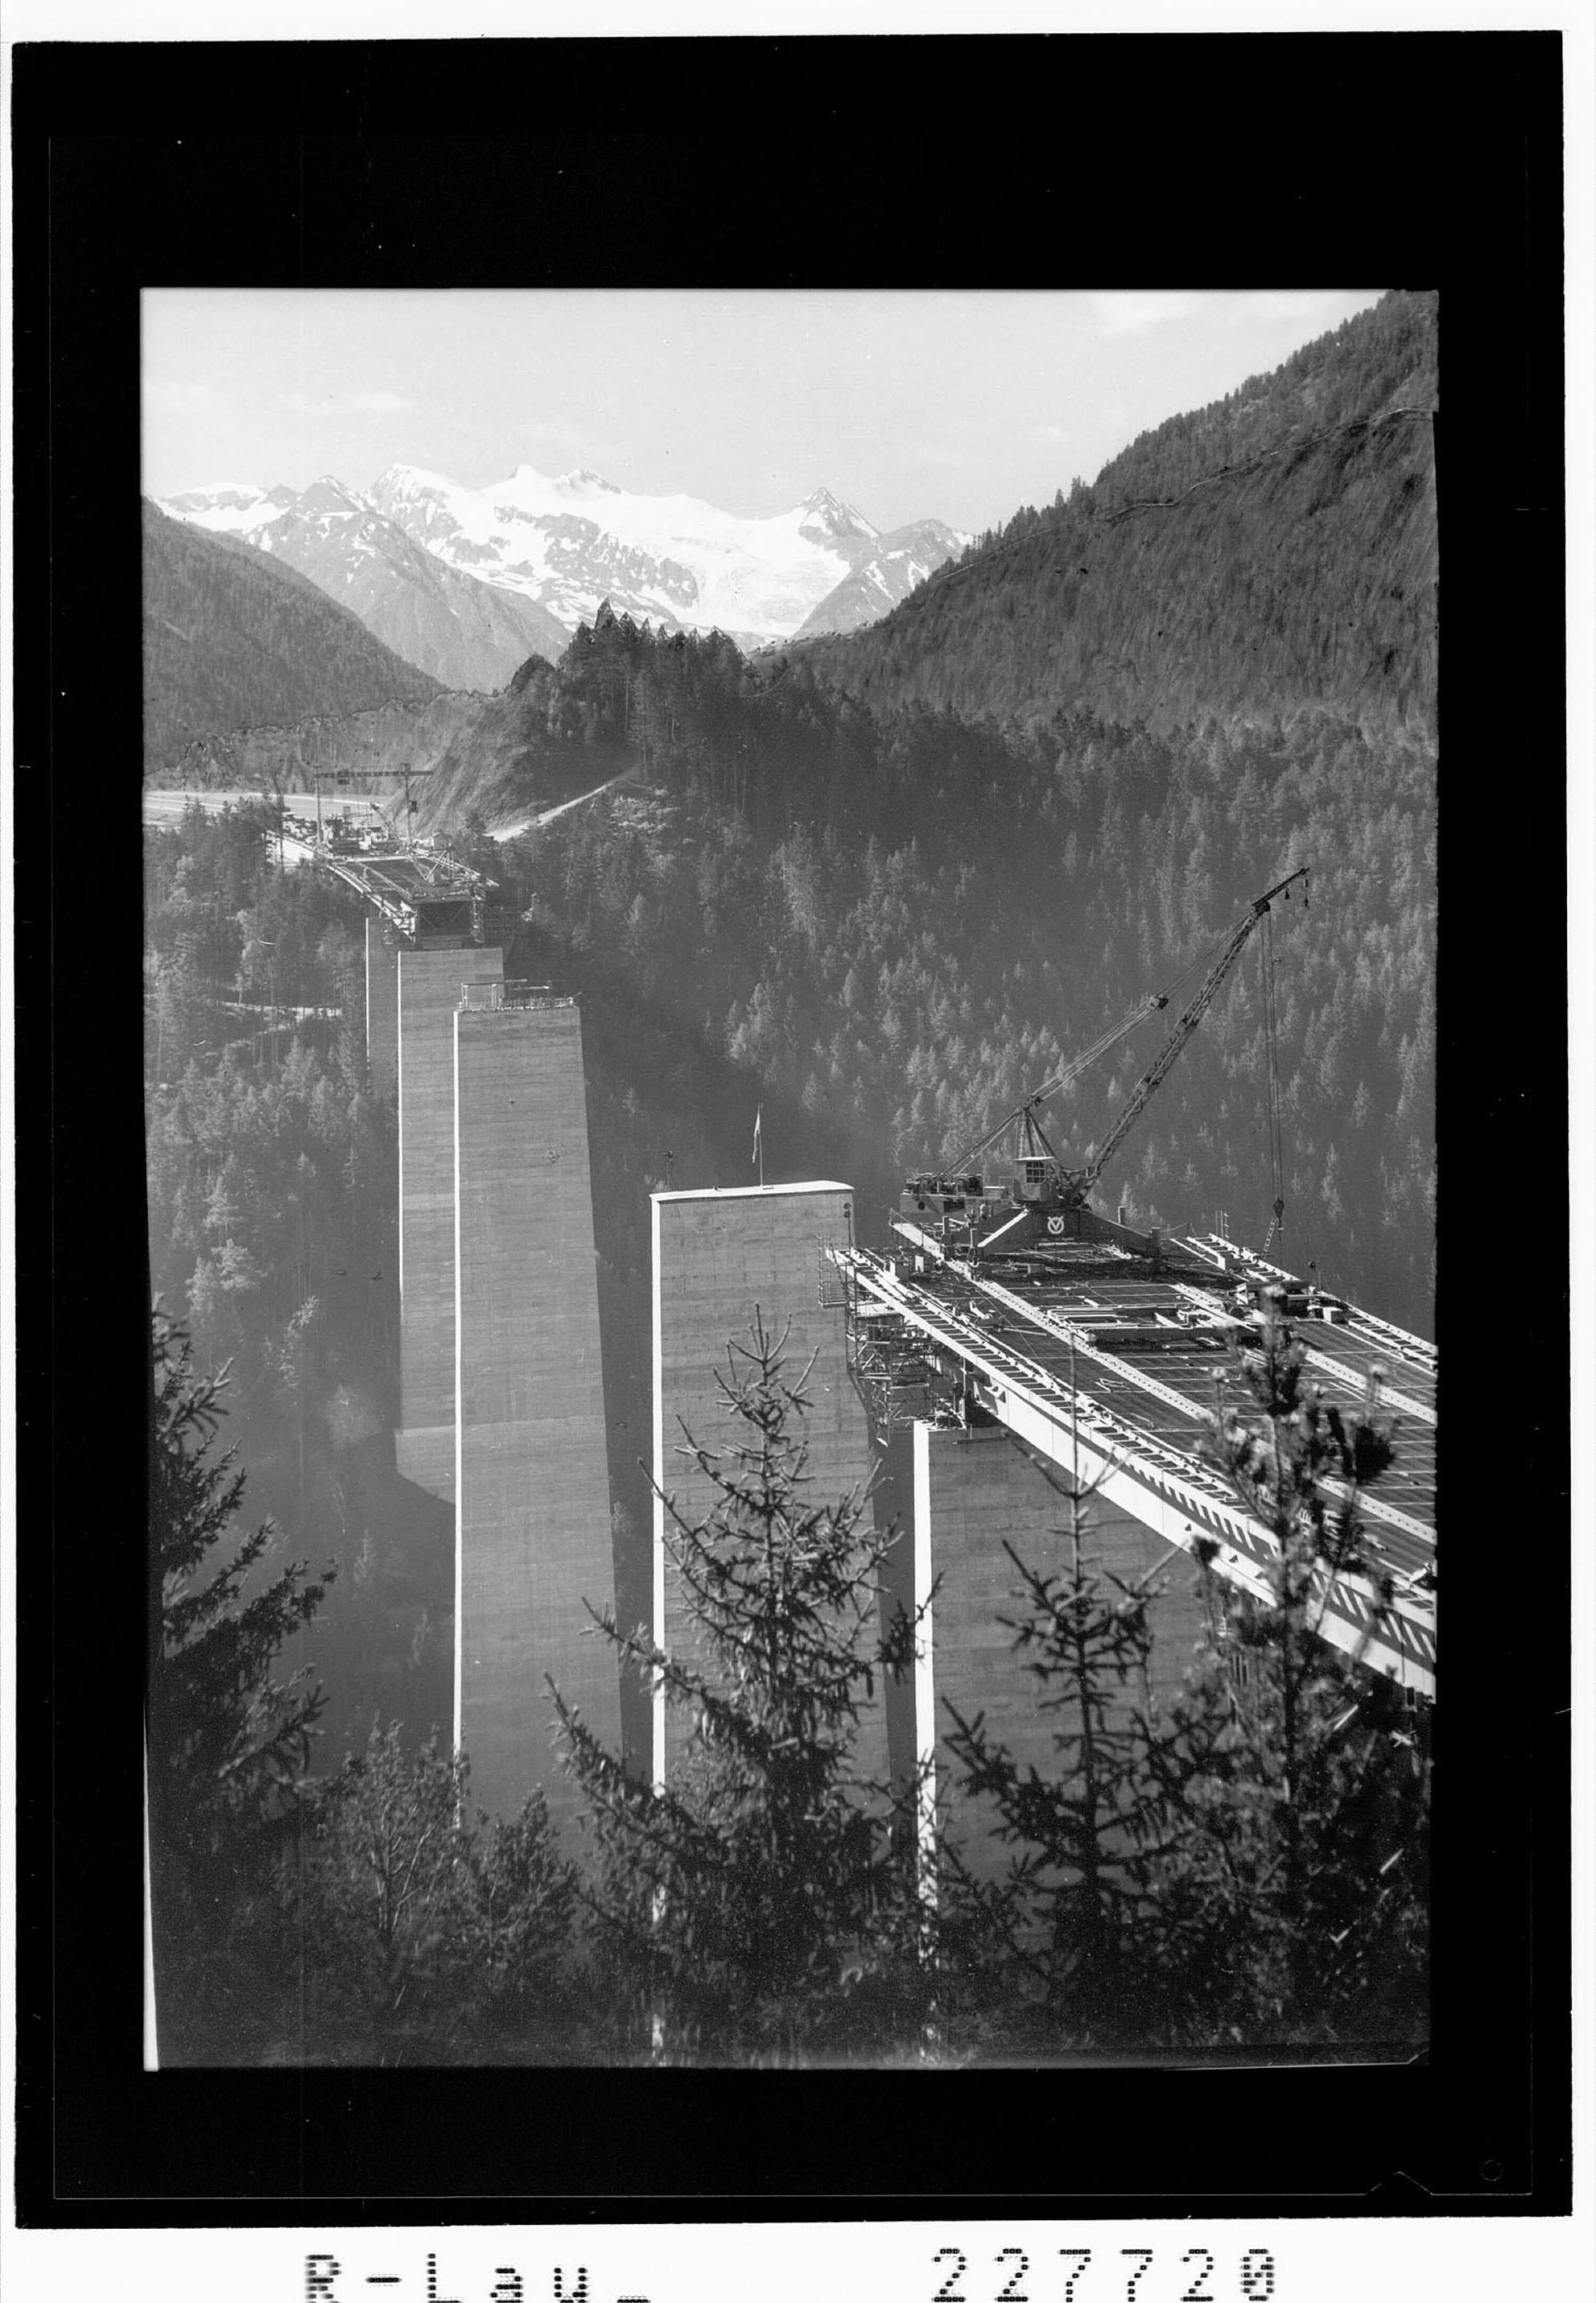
column 537, row 742
column 273, row 1202
column 1272, row 552
column 366, row 746
column 901, row 921
column 231, row 638
column 272, row 1188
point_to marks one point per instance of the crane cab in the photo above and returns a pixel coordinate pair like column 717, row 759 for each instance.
column 1036, row 1180
column 942, row 1196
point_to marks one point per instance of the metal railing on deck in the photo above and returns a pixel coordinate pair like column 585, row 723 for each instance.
column 491, row 997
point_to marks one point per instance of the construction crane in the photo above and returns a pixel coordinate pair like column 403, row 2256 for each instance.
column 1046, row 1199
column 1081, row 1181
column 1026, row 1112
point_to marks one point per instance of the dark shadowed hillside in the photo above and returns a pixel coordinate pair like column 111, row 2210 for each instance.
column 231, row 639
column 1272, row 552
column 365, row 746
column 466, row 632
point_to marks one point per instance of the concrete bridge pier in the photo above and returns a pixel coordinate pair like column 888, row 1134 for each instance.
column 382, row 1010
column 533, row 1541
column 958, row 1496
column 717, row 1256
column 430, row 990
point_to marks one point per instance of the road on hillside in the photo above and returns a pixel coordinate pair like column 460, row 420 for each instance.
column 530, row 823
column 164, row 809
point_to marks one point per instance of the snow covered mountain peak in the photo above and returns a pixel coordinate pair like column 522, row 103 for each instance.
column 237, row 493
column 407, row 480
column 569, row 542
column 585, row 480
column 446, row 620
column 822, row 514
column 235, row 507
column 330, row 495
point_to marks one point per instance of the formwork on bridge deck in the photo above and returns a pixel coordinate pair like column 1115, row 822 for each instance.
column 991, row 1386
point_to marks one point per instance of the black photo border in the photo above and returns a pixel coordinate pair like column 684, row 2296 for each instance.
column 1433, row 160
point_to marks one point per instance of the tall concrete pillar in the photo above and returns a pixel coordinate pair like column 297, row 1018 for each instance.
column 904, row 1587
column 429, row 991
column 531, row 1482
column 970, row 1493
column 382, row 1008
column 718, row 1255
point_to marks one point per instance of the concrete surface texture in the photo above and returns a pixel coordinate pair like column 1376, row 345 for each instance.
column 717, row 1256
column 382, row 1010
column 429, row 993
column 531, row 1483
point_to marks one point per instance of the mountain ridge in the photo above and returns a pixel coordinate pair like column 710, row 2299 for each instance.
column 463, row 631
column 232, row 637
column 467, row 582
column 882, row 577
column 1274, row 551
column 576, row 539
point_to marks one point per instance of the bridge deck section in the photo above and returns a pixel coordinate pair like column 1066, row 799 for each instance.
column 1142, row 1354
column 1191, row 1366
column 427, row 900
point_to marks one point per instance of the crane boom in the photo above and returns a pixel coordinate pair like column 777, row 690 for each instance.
column 1083, row 1179
column 1044, row 1203
column 1062, row 1078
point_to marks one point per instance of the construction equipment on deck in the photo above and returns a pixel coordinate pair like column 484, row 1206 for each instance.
column 1045, row 1200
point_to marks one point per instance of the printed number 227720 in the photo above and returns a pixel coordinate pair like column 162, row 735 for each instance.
column 1076, row 2281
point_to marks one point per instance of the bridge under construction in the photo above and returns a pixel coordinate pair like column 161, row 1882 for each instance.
column 432, row 903
column 1011, row 1302
column 1015, row 1343
column 501, row 1369
column 1106, row 1365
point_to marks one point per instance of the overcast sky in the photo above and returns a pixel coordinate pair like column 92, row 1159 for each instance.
column 906, row 404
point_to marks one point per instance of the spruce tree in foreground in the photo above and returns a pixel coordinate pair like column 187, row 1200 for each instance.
column 755, row 1909
column 1062, row 1951
column 1252, row 1866
column 227, row 1738
column 1298, row 1907
column 414, row 1932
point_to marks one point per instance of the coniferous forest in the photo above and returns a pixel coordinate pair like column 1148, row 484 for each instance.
column 903, row 922
column 1271, row 552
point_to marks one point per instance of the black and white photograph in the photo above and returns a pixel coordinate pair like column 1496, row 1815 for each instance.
column 789, row 949
column 738, row 1174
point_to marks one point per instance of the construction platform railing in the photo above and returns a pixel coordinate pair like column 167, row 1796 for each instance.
column 416, row 899
column 492, row 997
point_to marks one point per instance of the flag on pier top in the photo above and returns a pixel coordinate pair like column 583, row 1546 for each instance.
column 753, row 1154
